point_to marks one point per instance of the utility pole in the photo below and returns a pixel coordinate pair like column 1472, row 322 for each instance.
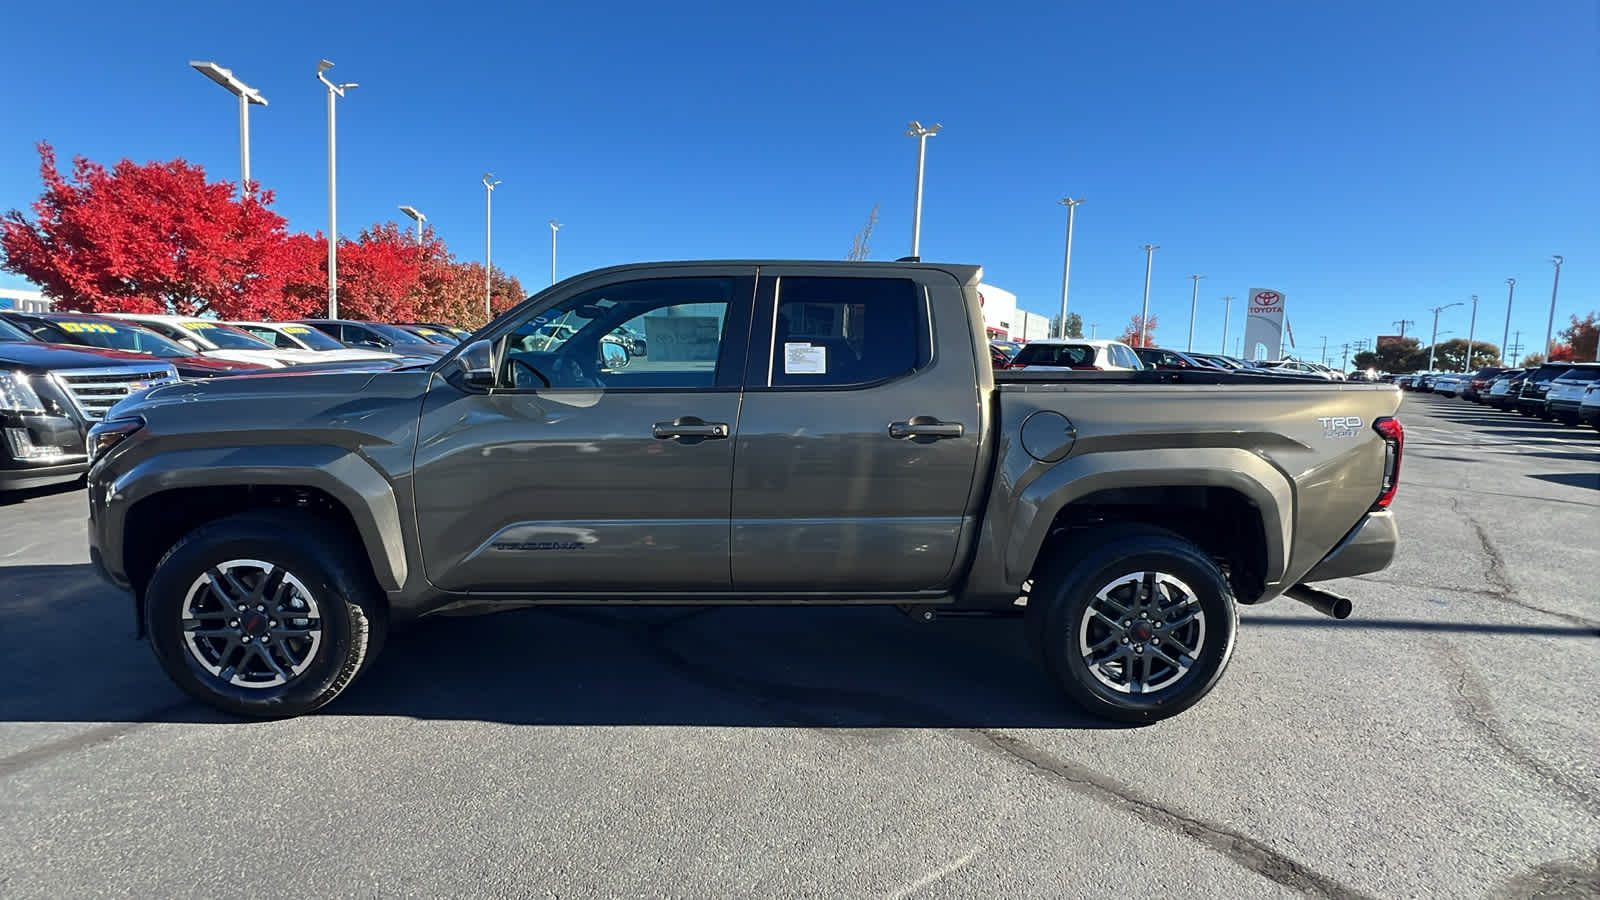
column 1194, row 302
column 1514, row 350
column 1403, row 323
column 1324, row 358
column 1505, row 335
column 1435, row 339
column 1144, row 318
column 554, row 227
column 1094, row 328
column 1066, row 263
column 1472, row 325
column 915, row 129
column 1346, row 364
column 1227, row 313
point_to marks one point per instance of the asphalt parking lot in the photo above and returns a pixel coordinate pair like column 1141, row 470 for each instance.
column 1441, row 742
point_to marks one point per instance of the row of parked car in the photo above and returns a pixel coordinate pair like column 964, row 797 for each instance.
column 61, row 372
column 1114, row 356
column 1565, row 392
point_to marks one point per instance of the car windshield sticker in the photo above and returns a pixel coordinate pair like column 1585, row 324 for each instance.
column 86, row 327
column 296, row 329
column 805, row 359
column 199, row 326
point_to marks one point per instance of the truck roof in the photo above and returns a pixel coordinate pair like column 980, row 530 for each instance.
column 967, row 274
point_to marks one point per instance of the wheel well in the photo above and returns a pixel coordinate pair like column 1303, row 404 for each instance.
column 154, row 524
column 1221, row 522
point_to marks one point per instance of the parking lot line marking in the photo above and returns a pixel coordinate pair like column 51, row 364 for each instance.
column 938, row 874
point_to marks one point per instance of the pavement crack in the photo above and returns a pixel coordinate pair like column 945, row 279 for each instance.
column 1500, row 583
column 1470, row 696
column 1239, row 848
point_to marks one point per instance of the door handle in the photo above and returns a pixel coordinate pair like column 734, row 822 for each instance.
column 926, row 426
column 689, row 427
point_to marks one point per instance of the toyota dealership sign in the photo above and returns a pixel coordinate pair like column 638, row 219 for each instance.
column 1263, row 325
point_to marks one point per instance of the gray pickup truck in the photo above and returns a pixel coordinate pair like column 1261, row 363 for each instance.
column 791, row 433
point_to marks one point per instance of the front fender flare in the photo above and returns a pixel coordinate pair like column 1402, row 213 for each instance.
column 343, row 475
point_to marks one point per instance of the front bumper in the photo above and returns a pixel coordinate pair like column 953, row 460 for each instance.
column 1369, row 547
column 40, row 431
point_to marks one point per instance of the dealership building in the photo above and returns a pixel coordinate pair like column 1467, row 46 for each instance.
column 27, row 301
column 1004, row 321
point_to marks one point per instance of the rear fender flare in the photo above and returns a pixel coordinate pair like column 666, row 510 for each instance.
column 1041, row 501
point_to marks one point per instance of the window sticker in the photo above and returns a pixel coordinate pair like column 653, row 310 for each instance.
column 804, row 359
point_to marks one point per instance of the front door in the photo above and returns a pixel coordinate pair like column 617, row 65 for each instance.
column 601, row 460
column 859, row 437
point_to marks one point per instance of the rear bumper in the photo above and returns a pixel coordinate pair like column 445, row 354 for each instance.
column 1369, row 547
column 1565, row 407
column 1590, row 413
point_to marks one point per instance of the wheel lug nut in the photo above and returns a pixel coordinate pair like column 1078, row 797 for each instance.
column 260, row 608
column 233, row 623
column 1124, row 640
column 272, row 624
column 245, row 639
column 1128, row 624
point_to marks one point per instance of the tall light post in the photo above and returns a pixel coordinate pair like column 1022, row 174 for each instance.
column 1433, row 341
column 554, row 227
column 1144, row 317
column 416, row 216
column 1066, row 263
column 1550, row 327
column 1472, row 326
column 1324, row 358
column 1506, row 335
column 488, row 269
column 334, row 90
column 1194, row 304
column 1227, row 313
column 247, row 95
column 1094, row 329
column 915, row 129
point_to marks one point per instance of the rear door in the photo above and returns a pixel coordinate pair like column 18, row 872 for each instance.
column 859, row 435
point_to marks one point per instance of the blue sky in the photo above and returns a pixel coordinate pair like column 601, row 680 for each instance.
column 1369, row 160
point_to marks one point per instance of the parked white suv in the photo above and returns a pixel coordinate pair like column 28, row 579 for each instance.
column 209, row 337
column 1071, row 353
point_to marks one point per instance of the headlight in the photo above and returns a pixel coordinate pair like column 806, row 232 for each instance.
column 107, row 434
column 16, row 395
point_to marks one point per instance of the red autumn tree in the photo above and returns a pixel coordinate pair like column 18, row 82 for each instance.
column 156, row 237
column 1583, row 337
column 1136, row 336
column 379, row 274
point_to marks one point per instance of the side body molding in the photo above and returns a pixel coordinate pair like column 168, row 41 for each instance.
column 340, row 473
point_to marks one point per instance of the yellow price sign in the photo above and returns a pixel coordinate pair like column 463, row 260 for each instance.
column 87, row 328
column 199, row 326
column 296, row 329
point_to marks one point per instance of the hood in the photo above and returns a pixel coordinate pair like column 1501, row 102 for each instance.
column 350, row 353
column 47, row 357
column 211, row 366
column 277, row 383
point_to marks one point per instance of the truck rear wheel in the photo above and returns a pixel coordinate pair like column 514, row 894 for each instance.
column 267, row 614
column 1134, row 622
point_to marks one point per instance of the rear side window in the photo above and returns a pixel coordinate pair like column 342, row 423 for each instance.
column 1590, row 373
column 1055, row 355
column 841, row 332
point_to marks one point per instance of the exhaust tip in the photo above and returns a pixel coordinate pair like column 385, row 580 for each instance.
column 1331, row 605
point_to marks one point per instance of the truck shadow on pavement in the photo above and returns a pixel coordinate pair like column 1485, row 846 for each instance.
column 1590, row 480
column 69, row 655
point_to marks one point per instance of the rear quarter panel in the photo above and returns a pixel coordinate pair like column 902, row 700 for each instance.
column 1304, row 454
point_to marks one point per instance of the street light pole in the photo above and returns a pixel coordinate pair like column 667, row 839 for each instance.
column 1094, row 329
column 333, row 197
column 1549, row 328
column 1506, row 335
column 247, row 95
column 1066, row 264
column 488, row 268
column 1324, row 359
column 1227, row 313
column 1194, row 303
column 554, row 227
column 915, row 129
column 1472, row 327
column 418, row 217
column 1144, row 317
column 1435, row 339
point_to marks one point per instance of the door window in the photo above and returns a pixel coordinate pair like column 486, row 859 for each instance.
column 844, row 332
column 661, row 333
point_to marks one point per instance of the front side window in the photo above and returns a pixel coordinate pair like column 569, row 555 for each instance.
column 843, row 332
column 663, row 333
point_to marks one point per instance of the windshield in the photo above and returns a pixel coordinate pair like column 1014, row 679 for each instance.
column 309, row 337
column 398, row 335
column 109, row 336
column 10, row 332
column 1588, row 373
column 223, row 337
column 1055, row 355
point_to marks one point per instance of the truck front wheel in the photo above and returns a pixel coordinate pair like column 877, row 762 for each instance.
column 267, row 614
column 1135, row 622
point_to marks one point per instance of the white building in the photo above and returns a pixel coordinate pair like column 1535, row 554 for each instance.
column 27, row 301
column 1004, row 321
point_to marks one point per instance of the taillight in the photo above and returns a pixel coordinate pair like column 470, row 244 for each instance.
column 1016, row 365
column 1394, row 442
column 1087, row 369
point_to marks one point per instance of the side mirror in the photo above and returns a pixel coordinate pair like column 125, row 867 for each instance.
column 476, row 363
column 614, row 356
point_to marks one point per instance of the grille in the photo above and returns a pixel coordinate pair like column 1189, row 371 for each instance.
column 94, row 391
